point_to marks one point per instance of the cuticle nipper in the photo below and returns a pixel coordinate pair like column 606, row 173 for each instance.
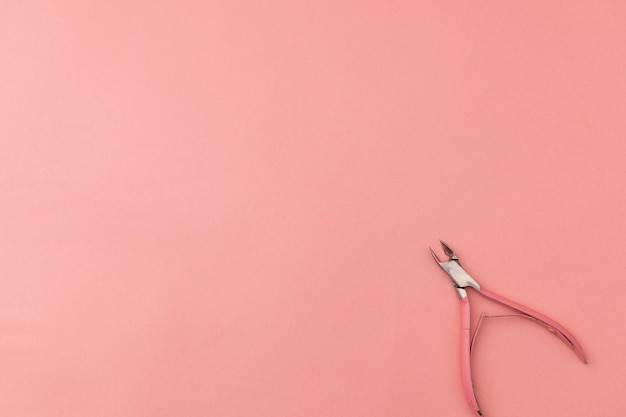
column 462, row 281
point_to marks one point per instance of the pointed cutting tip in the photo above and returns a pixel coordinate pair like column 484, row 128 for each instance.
column 432, row 252
column 446, row 249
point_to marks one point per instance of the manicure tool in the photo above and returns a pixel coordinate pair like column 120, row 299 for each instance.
column 462, row 281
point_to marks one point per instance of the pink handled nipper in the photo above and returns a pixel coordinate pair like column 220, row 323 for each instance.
column 462, row 280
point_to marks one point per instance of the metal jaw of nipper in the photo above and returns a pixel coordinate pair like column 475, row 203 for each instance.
column 462, row 281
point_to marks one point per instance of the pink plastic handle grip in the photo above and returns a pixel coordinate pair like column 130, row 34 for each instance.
column 551, row 324
column 466, row 368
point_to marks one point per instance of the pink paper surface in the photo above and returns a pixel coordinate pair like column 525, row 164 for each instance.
column 223, row 208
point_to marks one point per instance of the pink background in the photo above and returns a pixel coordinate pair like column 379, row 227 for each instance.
column 222, row 208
